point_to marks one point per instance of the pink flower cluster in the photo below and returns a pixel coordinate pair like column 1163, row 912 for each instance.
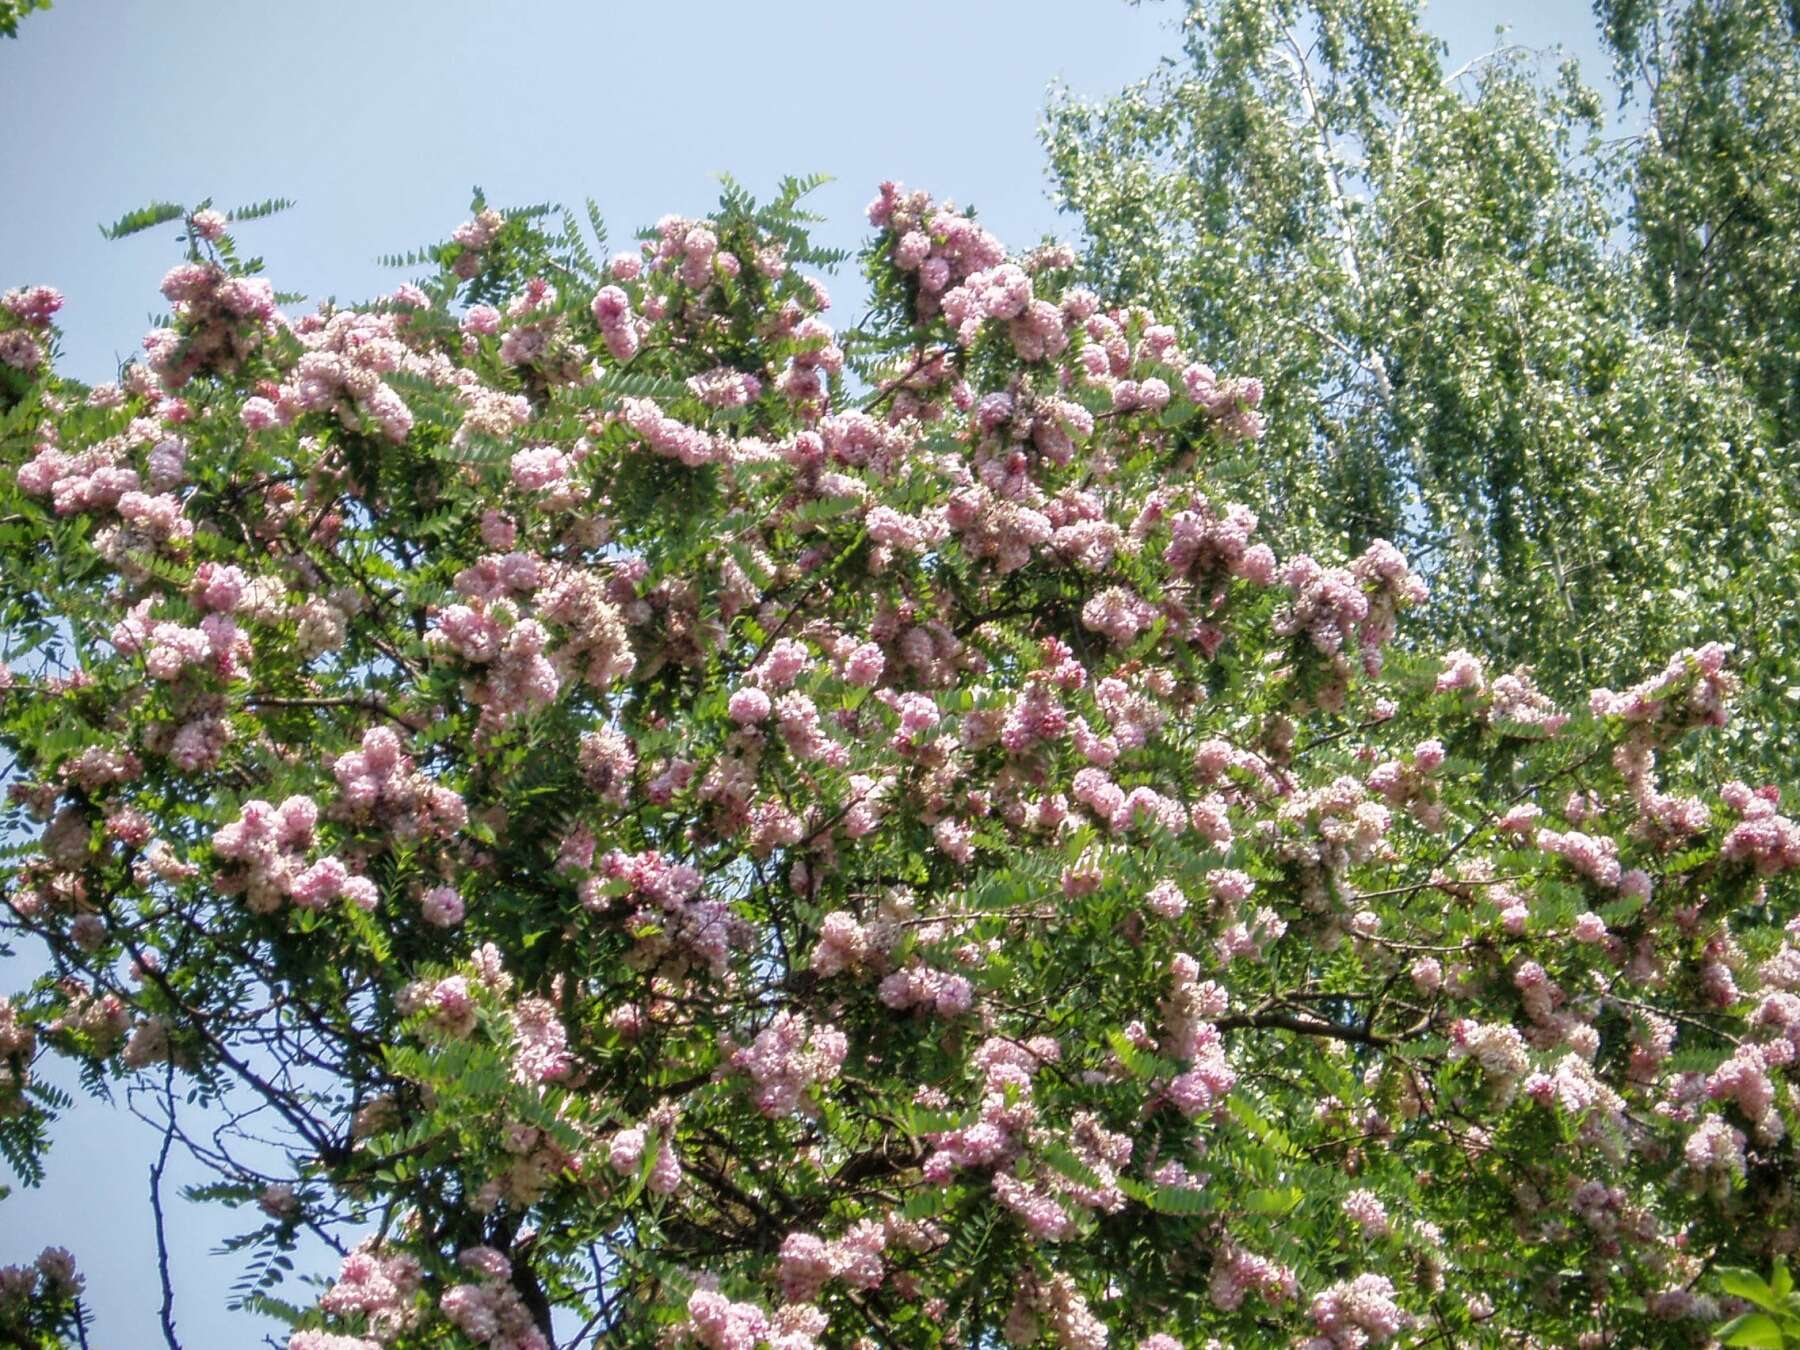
column 1328, row 604
column 442, row 907
column 1331, row 605
column 1764, row 837
column 33, row 306
column 625, row 1154
column 845, row 944
column 1037, row 328
column 340, row 371
column 723, row 387
column 266, row 843
column 539, row 468
column 217, row 646
column 942, row 247
column 608, row 761
column 920, row 986
column 1250, row 938
column 52, row 1275
column 1355, row 1313
column 1037, row 1207
column 475, row 236
column 21, row 350
column 1693, row 689
column 1006, row 1110
column 673, row 924
column 1117, row 614
column 691, row 250
column 789, row 1058
column 666, row 435
column 1516, row 701
column 219, row 321
column 17, row 1041
column 621, row 329
column 1594, row 856
column 378, row 782
column 1572, row 1089
column 1334, row 605
column 1462, row 670
column 1231, row 401
column 1332, row 825
column 1744, row 1080
column 540, row 1044
column 491, row 1312
column 1364, row 1208
column 808, row 1262
column 1122, row 810
column 1055, row 1308
column 1045, row 1204
column 533, row 338
column 377, row 1287
column 1205, row 545
column 717, row 1323
column 450, row 1003
column 1496, row 1046
column 326, row 1340
column 1237, row 1273
column 1714, row 1154
column 99, row 481
column 1193, row 1038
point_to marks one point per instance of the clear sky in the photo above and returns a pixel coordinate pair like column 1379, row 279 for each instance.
column 377, row 117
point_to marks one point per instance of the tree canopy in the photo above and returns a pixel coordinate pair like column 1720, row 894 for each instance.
column 1192, row 794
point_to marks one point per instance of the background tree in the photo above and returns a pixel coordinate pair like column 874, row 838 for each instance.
column 1715, row 208
column 1487, row 331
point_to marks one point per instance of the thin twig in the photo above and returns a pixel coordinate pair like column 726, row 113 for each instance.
column 165, row 1314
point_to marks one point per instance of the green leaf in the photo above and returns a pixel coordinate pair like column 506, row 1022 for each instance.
column 257, row 210
column 1063, row 1160
column 920, row 1120
column 1141, row 1063
column 1273, row 1200
column 144, row 218
column 1180, row 1201
column 1752, row 1329
column 1747, row 1284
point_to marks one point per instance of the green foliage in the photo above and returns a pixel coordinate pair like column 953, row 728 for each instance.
column 12, row 11
column 1714, row 196
column 1773, row 1321
column 144, row 218
column 259, row 210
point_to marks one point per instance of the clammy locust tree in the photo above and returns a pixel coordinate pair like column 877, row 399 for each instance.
column 685, row 825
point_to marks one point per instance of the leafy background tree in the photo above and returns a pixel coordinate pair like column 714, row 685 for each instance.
column 1715, row 209
column 1554, row 356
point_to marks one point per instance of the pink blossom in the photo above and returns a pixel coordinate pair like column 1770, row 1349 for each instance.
column 749, row 706
column 442, row 907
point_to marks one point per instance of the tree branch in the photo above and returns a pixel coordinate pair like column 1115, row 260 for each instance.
column 166, row 1313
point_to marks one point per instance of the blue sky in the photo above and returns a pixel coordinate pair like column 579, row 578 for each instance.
column 377, row 117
